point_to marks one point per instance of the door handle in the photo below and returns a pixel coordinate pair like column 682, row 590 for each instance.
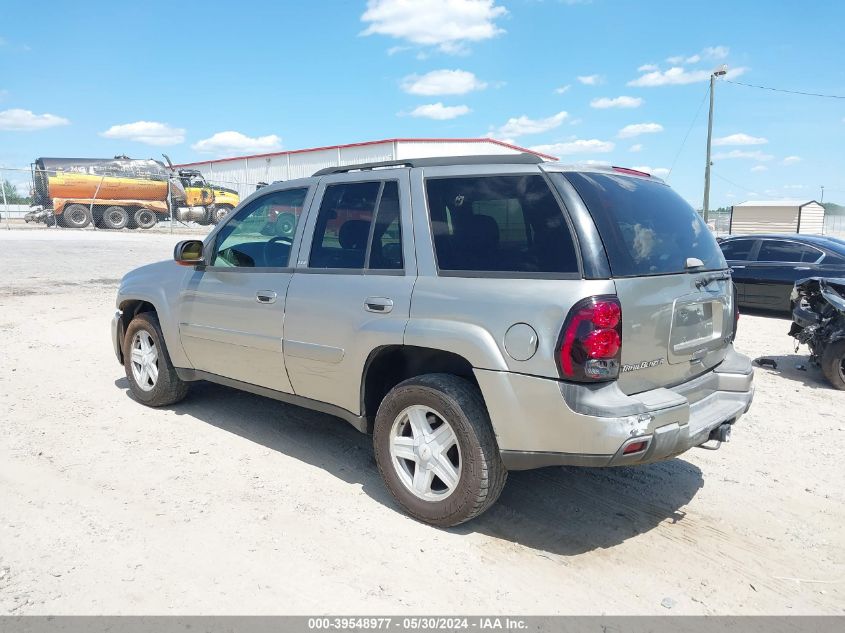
column 378, row 304
column 265, row 296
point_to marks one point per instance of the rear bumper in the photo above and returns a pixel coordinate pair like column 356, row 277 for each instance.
column 542, row 422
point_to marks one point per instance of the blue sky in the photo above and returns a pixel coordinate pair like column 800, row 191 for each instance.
column 601, row 80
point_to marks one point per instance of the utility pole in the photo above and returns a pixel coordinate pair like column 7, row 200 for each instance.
column 822, row 200
column 706, row 209
column 5, row 203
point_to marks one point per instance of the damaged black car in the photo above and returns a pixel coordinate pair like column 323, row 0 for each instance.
column 818, row 321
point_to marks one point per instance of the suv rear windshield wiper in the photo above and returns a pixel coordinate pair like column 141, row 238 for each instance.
column 703, row 282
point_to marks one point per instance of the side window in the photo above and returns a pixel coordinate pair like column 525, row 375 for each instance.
column 345, row 230
column 738, row 250
column 260, row 234
column 810, row 255
column 386, row 249
column 780, row 251
column 499, row 224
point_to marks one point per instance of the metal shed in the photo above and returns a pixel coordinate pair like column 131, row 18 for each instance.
column 243, row 173
column 777, row 216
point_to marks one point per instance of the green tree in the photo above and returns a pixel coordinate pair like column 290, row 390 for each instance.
column 831, row 208
column 12, row 195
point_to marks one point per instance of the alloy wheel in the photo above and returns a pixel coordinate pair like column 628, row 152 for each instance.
column 144, row 357
column 425, row 453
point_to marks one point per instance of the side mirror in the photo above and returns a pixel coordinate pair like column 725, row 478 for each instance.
column 188, row 253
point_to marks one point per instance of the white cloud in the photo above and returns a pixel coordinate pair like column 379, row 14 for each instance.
column 565, row 89
column 519, row 126
column 617, row 102
column 715, row 52
column 591, row 80
column 636, row 148
column 660, row 172
column 677, row 76
column 149, row 132
column 442, row 82
column 711, row 53
column 635, row 129
column 791, row 160
column 759, row 168
column 448, row 25
column 231, row 142
column 577, row 146
column 738, row 153
column 740, row 139
column 647, row 68
column 439, row 112
column 18, row 120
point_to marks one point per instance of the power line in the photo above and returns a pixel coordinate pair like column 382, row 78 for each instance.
column 733, row 183
column 794, row 92
column 694, row 119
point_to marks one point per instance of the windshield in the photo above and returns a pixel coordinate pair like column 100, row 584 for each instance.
column 646, row 227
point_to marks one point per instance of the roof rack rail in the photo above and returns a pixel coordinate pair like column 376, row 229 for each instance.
column 523, row 158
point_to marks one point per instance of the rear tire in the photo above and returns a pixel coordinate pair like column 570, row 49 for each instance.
column 144, row 218
column 833, row 364
column 415, row 423
column 115, row 218
column 152, row 378
column 76, row 216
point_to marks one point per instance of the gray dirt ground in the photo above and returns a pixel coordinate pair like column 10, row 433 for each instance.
column 231, row 503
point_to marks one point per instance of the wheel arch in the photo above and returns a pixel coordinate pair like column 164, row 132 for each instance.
column 129, row 309
column 389, row 365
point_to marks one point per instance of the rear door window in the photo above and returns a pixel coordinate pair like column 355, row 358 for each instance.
column 737, row 250
column 343, row 225
column 782, row 251
column 646, row 228
column 506, row 224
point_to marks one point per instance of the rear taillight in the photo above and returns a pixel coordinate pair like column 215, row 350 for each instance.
column 591, row 341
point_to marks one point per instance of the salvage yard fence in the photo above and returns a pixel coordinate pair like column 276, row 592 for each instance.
column 119, row 195
column 128, row 196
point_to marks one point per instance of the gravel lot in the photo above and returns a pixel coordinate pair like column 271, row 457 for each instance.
column 231, row 503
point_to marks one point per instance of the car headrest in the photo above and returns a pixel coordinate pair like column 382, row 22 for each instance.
column 482, row 231
column 353, row 234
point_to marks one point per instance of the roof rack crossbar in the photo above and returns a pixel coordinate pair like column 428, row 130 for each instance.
column 523, row 158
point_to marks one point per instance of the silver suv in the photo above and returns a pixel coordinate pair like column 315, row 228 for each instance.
column 476, row 315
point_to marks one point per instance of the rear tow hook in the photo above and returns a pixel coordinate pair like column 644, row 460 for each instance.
column 721, row 433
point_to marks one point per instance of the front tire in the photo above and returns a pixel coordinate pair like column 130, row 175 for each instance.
column 833, row 364
column 220, row 212
column 152, row 377
column 436, row 451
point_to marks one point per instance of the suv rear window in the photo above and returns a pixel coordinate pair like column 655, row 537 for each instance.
column 646, row 227
column 509, row 224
